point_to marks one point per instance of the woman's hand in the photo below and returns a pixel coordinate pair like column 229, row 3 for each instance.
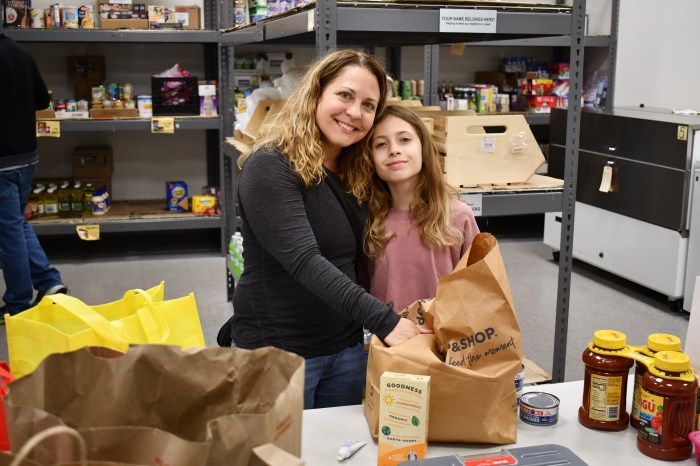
column 404, row 331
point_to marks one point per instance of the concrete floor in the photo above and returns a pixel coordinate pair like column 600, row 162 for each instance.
column 102, row 271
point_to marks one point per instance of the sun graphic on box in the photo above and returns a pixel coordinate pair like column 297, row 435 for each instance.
column 389, row 400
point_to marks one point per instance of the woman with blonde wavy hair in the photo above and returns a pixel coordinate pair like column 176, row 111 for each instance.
column 416, row 230
column 298, row 291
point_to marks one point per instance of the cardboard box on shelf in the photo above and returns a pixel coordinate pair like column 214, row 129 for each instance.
column 188, row 16
column 504, row 81
column 44, row 114
column 264, row 110
column 541, row 103
column 92, row 162
column 176, row 199
column 128, row 16
column 490, row 150
column 15, row 13
column 85, row 68
column 443, row 122
column 161, row 16
column 114, row 113
column 86, row 17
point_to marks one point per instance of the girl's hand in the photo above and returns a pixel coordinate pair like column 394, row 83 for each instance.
column 404, row 331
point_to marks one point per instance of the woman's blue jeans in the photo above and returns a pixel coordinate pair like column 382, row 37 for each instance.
column 335, row 380
column 24, row 263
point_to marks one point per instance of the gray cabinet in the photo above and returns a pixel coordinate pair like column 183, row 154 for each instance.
column 638, row 226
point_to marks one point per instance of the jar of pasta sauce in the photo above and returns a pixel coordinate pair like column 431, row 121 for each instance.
column 667, row 407
column 655, row 342
column 605, row 382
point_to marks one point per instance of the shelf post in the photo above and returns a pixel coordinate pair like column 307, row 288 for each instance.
column 326, row 26
column 431, row 62
column 573, row 125
column 228, row 170
column 612, row 54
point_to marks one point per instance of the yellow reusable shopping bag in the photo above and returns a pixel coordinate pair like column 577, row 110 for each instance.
column 61, row 323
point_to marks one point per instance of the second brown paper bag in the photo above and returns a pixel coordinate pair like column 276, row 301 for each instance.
column 205, row 406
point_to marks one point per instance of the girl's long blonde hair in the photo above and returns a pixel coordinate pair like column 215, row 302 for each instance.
column 430, row 209
column 294, row 130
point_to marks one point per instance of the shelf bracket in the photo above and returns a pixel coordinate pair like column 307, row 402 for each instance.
column 326, row 26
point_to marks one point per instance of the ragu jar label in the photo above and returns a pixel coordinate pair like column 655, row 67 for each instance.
column 651, row 409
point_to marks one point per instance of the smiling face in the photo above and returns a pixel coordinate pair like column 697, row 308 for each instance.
column 346, row 109
column 397, row 152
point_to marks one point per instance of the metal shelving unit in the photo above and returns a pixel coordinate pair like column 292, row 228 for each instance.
column 109, row 35
column 209, row 38
column 502, row 203
column 369, row 24
column 181, row 123
column 132, row 225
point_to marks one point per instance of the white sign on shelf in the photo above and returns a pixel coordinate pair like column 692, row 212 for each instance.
column 459, row 20
column 475, row 202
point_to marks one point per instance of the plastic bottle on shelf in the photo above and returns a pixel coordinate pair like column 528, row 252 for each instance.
column 88, row 191
column 667, row 407
column 39, row 191
column 32, row 207
column 51, row 202
column 64, row 200
column 655, row 342
column 605, row 382
column 100, row 201
column 77, row 198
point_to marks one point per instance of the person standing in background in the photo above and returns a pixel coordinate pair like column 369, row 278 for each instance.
column 25, row 266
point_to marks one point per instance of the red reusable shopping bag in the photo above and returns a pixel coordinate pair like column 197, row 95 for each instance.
column 6, row 377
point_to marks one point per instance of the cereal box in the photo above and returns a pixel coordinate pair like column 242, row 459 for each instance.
column 403, row 417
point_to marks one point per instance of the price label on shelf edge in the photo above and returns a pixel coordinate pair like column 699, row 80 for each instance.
column 48, row 129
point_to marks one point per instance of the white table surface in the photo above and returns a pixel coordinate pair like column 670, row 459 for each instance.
column 324, row 430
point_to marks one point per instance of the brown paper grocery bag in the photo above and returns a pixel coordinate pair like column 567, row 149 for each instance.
column 272, row 455
column 472, row 358
column 160, row 404
column 473, row 312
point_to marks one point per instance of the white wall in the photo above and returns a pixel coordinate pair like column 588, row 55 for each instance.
column 658, row 62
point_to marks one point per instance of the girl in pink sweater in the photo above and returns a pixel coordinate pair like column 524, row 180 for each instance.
column 416, row 230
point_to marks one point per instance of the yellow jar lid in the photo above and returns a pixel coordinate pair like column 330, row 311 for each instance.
column 663, row 342
column 671, row 361
column 610, row 339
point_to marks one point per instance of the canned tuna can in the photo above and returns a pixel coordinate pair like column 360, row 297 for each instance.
column 539, row 408
column 520, row 382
